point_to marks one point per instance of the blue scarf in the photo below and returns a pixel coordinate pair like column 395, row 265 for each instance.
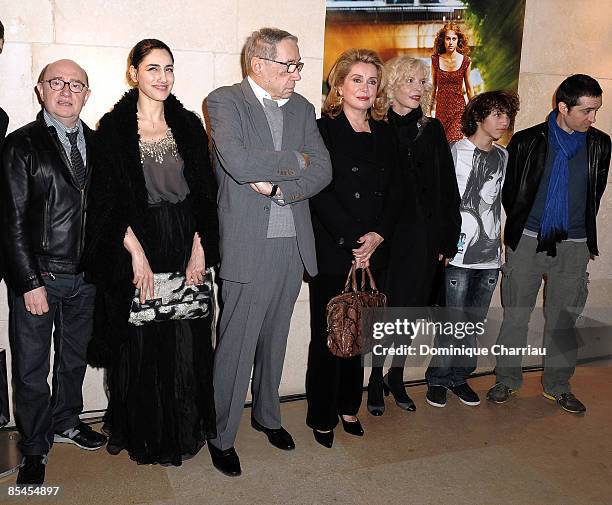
column 555, row 217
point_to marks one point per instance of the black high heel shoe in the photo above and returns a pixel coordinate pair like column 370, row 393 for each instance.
column 352, row 427
column 326, row 439
column 402, row 400
column 376, row 402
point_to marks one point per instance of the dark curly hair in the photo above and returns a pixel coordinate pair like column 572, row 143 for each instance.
column 462, row 43
column 480, row 106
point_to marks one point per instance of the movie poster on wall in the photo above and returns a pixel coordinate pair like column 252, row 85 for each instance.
column 487, row 50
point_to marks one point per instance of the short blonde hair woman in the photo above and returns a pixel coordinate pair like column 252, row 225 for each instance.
column 401, row 70
column 428, row 230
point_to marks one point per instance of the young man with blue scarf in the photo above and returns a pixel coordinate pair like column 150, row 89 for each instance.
column 557, row 172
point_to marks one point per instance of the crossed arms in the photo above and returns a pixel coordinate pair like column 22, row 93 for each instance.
column 262, row 167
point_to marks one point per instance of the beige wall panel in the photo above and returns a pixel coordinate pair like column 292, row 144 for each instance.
column 310, row 85
column 3, row 310
column 304, row 18
column 17, row 96
column 536, row 93
column 207, row 26
column 294, row 371
column 94, row 394
column 27, row 20
column 567, row 37
column 105, row 67
column 194, row 78
column 604, row 116
column 228, row 69
column 4, row 344
column 601, row 268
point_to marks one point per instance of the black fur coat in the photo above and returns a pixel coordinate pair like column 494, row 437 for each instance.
column 118, row 199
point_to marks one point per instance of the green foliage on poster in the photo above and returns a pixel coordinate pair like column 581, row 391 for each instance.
column 498, row 25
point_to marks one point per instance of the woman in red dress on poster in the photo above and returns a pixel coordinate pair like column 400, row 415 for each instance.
column 450, row 68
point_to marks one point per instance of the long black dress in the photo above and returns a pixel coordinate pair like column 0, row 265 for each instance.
column 161, row 406
column 161, row 401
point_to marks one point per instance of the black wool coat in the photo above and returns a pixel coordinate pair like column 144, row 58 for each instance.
column 429, row 167
column 364, row 195
column 118, row 199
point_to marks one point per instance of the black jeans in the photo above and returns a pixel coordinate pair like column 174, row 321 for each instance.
column 38, row 413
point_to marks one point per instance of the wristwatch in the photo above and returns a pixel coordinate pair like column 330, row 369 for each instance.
column 274, row 190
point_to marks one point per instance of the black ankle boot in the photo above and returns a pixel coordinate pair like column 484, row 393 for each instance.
column 393, row 382
column 376, row 402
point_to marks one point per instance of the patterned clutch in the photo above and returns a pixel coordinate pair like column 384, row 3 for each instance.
column 173, row 300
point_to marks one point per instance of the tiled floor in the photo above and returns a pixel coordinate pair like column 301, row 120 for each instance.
column 527, row 452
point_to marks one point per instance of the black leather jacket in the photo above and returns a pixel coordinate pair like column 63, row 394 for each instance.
column 43, row 209
column 526, row 161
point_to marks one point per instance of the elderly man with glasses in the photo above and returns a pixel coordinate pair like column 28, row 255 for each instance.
column 45, row 174
column 270, row 159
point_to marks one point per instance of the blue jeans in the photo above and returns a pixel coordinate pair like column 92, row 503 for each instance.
column 469, row 288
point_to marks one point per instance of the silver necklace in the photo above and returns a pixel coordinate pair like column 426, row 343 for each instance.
column 158, row 149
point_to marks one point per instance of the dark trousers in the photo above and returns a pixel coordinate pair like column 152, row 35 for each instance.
column 414, row 280
column 38, row 413
column 472, row 289
column 333, row 385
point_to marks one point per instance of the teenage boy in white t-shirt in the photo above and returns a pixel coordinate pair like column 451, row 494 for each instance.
column 471, row 276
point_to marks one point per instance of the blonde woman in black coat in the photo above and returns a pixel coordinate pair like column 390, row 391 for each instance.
column 427, row 231
column 353, row 219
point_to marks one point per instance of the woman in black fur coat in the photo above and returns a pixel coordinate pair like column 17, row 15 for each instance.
column 153, row 210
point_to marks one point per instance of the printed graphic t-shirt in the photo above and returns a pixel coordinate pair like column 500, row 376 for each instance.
column 480, row 176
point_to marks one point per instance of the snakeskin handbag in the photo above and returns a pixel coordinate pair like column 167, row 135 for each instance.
column 345, row 337
column 174, row 299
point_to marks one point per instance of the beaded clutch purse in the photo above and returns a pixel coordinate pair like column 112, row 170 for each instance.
column 174, row 299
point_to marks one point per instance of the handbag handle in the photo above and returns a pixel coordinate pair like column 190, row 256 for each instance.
column 351, row 280
column 370, row 278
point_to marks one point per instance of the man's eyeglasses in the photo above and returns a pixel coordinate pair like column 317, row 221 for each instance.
column 291, row 67
column 60, row 84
